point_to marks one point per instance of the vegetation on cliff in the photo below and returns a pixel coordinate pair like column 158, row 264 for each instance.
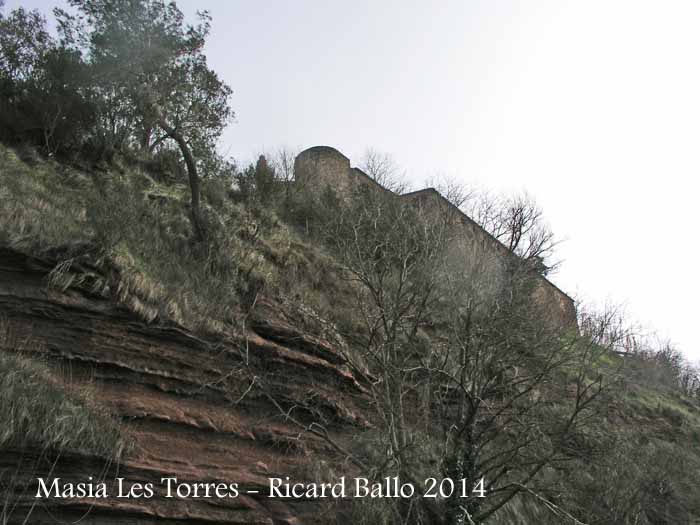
column 38, row 410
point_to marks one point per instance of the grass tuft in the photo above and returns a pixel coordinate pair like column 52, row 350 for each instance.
column 38, row 408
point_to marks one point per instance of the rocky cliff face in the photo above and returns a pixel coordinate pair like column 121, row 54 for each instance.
column 228, row 409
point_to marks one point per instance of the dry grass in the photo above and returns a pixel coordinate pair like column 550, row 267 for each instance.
column 134, row 236
column 124, row 235
column 38, row 408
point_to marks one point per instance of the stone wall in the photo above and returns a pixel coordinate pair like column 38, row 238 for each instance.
column 322, row 166
column 560, row 307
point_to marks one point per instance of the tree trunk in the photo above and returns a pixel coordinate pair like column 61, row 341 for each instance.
column 193, row 176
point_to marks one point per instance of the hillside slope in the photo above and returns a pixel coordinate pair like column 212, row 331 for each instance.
column 234, row 370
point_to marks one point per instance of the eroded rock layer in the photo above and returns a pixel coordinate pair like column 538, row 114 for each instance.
column 228, row 409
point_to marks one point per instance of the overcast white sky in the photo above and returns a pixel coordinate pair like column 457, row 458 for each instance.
column 592, row 106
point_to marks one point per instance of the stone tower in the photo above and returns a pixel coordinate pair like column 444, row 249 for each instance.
column 322, row 166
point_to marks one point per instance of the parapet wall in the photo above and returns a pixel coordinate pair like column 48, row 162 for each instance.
column 559, row 307
column 322, row 166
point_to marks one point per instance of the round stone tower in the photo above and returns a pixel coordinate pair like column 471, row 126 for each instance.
column 321, row 166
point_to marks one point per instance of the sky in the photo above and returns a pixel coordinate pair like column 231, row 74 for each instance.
column 591, row 106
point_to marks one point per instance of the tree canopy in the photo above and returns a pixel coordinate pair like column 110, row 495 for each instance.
column 121, row 76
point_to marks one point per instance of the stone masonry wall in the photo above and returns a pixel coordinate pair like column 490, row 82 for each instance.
column 560, row 307
column 323, row 166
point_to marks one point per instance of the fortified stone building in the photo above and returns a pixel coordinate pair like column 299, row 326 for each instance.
column 323, row 166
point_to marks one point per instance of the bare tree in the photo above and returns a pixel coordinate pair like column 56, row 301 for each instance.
column 282, row 161
column 454, row 191
column 384, row 170
column 518, row 222
column 495, row 417
column 458, row 357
